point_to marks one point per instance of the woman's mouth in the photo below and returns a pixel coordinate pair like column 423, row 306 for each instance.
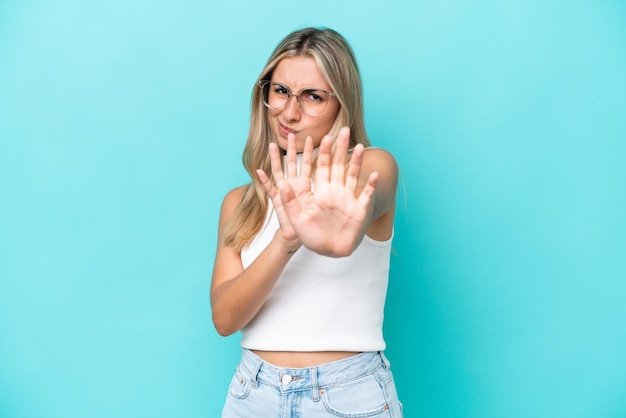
column 285, row 131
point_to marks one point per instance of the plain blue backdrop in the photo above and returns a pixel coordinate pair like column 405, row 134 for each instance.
column 121, row 129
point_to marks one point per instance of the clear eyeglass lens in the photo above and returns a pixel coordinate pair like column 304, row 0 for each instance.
column 311, row 101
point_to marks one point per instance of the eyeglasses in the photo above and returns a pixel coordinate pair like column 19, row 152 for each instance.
column 311, row 101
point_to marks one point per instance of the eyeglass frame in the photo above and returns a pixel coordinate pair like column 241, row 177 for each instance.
column 263, row 83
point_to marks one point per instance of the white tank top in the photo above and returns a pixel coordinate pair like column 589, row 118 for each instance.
column 321, row 303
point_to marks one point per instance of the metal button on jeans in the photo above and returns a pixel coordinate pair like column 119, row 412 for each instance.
column 286, row 379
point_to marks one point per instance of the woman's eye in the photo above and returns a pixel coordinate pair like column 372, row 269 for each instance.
column 281, row 90
column 314, row 96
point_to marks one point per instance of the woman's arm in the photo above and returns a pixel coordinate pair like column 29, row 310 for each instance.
column 348, row 202
column 238, row 294
column 381, row 221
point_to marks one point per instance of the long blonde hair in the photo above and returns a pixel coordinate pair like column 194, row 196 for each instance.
column 335, row 59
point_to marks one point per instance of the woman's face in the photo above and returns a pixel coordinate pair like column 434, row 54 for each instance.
column 296, row 73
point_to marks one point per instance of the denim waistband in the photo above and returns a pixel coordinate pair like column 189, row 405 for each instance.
column 310, row 378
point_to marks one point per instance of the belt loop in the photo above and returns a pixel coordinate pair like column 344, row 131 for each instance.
column 386, row 363
column 315, row 390
column 255, row 373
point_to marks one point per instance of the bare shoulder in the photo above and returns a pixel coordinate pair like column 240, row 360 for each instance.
column 376, row 152
column 382, row 161
column 379, row 156
column 233, row 198
column 231, row 203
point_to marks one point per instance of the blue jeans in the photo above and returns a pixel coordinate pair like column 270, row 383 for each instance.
column 358, row 386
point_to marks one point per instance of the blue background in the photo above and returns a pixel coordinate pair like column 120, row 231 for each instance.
column 121, row 128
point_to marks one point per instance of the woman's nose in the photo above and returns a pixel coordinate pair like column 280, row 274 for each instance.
column 292, row 109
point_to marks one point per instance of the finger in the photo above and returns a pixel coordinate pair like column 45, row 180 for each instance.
column 307, row 156
column 365, row 198
column 292, row 165
column 339, row 158
column 354, row 168
column 267, row 184
column 274, row 195
column 322, row 168
column 277, row 166
column 289, row 201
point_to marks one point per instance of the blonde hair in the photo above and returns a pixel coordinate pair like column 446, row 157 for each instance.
column 335, row 59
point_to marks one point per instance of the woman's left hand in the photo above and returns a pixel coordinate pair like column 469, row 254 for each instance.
column 331, row 219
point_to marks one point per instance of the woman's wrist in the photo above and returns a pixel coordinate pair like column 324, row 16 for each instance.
column 288, row 246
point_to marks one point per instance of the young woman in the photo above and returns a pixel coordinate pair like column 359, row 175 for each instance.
column 303, row 255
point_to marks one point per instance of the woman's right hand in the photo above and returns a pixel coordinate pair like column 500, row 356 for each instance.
column 300, row 184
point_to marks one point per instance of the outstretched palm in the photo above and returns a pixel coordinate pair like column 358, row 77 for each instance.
column 331, row 219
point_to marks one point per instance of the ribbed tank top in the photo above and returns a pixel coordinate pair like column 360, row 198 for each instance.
column 321, row 303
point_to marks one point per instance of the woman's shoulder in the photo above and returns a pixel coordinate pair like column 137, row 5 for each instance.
column 234, row 197
column 238, row 191
column 379, row 158
column 377, row 152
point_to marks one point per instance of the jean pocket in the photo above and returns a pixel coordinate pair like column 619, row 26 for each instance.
column 239, row 386
column 362, row 397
